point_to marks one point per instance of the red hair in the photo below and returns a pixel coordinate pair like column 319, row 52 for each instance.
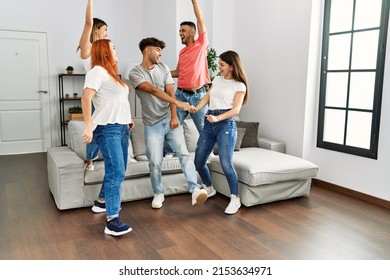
column 101, row 56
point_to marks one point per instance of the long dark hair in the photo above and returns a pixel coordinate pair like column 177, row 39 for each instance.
column 97, row 23
column 233, row 59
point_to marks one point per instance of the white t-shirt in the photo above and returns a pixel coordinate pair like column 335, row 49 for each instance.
column 87, row 63
column 111, row 99
column 223, row 92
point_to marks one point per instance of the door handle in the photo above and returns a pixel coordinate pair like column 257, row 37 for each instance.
column 43, row 91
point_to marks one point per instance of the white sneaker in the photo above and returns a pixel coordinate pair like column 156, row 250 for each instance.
column 158, row 200
column 199, row 196
column 90, row 167
column 210, row 190
column 234, row 205
column 169, row 155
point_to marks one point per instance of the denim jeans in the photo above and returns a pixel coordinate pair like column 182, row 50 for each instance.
column 224, row 134
column 193, row 99
column 113, row 142
column 198, row 117
column 154, row 140
column 92, row 148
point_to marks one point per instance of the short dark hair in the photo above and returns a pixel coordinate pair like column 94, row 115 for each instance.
column 151, row 42
column 189, row 23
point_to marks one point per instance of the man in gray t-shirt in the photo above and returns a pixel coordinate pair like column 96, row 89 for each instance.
column 154, row 108
column 154, row 86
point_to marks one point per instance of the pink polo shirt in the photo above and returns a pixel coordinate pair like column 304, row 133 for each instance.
column 192, row 64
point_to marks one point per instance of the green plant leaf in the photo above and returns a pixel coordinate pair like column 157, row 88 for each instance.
column 75, row 110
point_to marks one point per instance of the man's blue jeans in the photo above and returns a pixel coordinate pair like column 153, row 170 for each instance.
column 224, row 133
column 154, row 140
column 193, row 99
column 197, row 117
column 113, row 140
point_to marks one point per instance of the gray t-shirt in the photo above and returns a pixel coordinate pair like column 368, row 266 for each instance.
column 153, row 108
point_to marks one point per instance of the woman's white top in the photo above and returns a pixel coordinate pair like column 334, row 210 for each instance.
column 111, row 99
column 87, row 63
column 223, row 92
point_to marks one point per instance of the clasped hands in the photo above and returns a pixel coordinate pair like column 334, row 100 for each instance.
column 187, row 107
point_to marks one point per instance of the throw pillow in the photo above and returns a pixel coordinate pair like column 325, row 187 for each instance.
column 251, row 133
column 240, row 136
column 191, row 134
column 75, row 142
column 138, row 138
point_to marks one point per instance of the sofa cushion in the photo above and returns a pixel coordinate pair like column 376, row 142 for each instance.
column 191, row 134
column 250, row 137
column 257, row 166
column 138, row 138
column 135, row 169
column 75, row 132
column 75, row 143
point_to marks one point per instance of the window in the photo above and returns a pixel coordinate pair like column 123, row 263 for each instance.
column 353, row 56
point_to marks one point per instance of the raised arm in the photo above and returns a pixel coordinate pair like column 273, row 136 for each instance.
column 85, row 43
column 199, row 17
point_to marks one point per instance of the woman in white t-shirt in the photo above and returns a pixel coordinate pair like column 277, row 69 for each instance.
column 109, row 126
column 94, row 29
column 225, row 98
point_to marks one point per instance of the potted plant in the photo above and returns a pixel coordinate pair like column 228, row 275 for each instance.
column 212, row 63
column 69, row 69
column 75, row 113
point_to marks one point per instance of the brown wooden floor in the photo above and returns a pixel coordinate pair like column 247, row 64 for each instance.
column 325, row 225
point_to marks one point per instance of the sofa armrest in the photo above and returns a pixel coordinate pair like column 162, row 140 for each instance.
column 66, row 177
column 271, row 144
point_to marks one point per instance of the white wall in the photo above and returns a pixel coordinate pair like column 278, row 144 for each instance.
column 279, row 45
column 63, row 22
column 273, row 39
column 361, row 174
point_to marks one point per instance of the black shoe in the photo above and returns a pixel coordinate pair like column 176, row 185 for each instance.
column 99, row 207
column 116, row 227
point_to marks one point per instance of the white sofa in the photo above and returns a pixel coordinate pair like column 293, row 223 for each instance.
column 265, row 173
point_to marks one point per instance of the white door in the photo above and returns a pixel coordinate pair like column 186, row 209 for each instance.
column 24, row 93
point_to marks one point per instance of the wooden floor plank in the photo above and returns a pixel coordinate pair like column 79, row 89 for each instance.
column 325, row 225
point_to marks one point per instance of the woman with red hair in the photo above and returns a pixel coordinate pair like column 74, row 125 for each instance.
column 109, row 127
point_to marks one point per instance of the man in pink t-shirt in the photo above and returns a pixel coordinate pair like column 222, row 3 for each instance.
column 192, row 70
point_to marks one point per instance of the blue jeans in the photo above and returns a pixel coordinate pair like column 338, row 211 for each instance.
column 193, row 99
column 154, row 141
column 113, row 142
column 198, row 117
column 92, row 148
column 224, row 134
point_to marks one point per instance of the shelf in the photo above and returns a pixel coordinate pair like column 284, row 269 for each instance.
column 62, row 100
column 71, row 75
column 71, row 99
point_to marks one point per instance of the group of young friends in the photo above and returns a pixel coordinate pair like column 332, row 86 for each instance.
column 107, row 113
